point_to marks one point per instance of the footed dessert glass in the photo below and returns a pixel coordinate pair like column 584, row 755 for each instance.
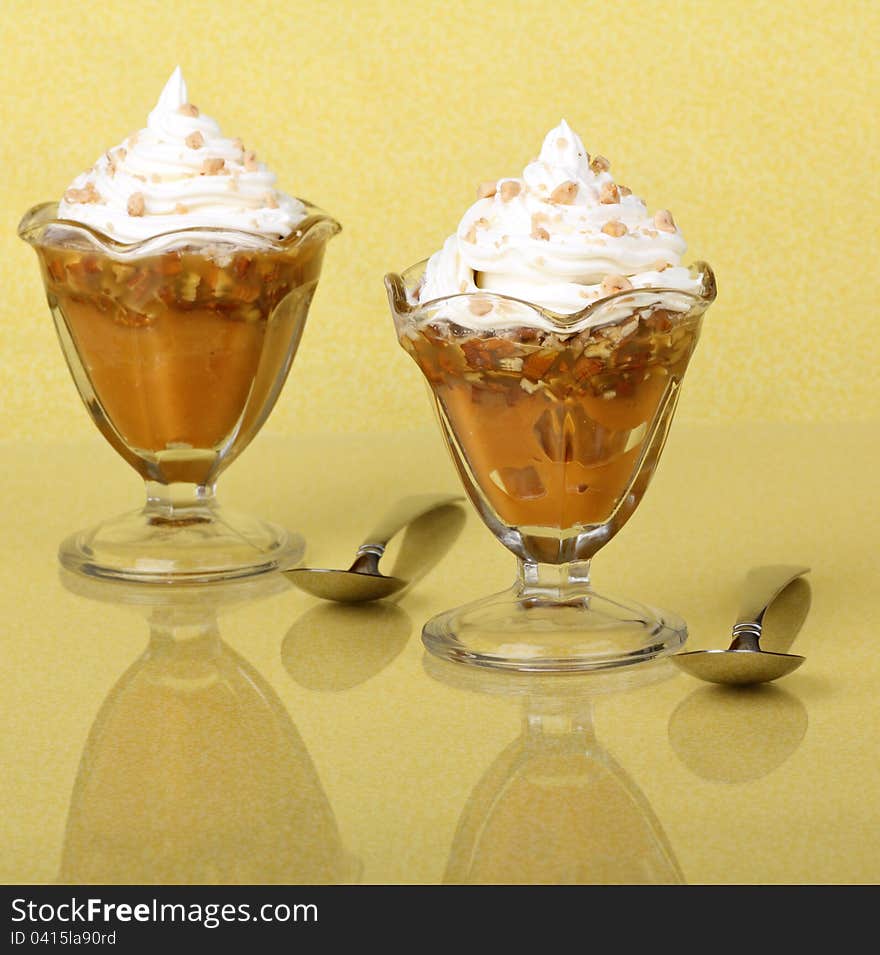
column 179, row 346
column 556, row 424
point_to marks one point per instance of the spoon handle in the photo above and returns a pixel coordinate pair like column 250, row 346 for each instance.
column 762, row 586
column 405, row 511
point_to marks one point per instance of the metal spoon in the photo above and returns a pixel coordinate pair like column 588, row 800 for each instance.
column 363, row 581
column 744, row 662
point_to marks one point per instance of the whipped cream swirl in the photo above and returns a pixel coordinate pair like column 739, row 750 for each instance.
column 180, row 172
column 562, row 236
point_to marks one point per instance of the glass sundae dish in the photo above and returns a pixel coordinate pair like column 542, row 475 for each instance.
column 554, row 329
column 180, row 281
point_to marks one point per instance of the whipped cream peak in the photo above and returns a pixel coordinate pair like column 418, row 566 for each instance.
column 562, row 236
column 564, row 149
column 173, row 94
column 180, row 172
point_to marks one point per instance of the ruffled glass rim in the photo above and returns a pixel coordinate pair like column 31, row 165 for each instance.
column 401, row 286
column 41, row 217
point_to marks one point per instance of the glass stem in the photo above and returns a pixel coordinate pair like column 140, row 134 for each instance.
column 555, row 582
column 179, row 500
column 567, row 727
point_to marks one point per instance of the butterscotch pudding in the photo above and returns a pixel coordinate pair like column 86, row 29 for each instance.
column 177, row 345
column 180, row 279
column 551, row 426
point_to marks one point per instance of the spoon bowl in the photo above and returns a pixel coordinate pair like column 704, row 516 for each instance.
column 776, row 594
column 347, row 586
column 738, row 667
column 363, row 581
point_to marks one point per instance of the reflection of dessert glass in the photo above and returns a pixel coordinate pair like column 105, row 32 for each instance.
column 555, row 414
column 193, row 772
column 555, row 807
column 179, row 314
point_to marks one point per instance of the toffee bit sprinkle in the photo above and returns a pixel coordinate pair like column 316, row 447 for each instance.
column 510, row 190
column 85, row 195
column 539, row 232
column 188, row 109
column 625, row 190
column 600, row 164
column 660, row 266
column 664, row 221
column 609, row 194
column 487, row 189
column 136, row 205
column 479, row 306
column 615, row 283
column 195, row 140
column 615, row 228
column 471, row 234
column 180, row 209
column 212, row 167
column 565, row 193
column 250, row 161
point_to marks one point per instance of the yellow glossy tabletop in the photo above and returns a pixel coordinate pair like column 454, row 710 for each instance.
column 269, row 737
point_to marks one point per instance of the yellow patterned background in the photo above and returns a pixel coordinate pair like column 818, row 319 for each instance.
column 755, row 122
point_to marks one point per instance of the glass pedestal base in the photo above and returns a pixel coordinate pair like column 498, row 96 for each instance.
column 196, row 544
column 538, row 627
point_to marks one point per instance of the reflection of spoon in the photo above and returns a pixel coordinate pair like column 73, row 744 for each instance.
column 363, row 581
column 744, row 662
column 736, row 735
column 338, row 646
